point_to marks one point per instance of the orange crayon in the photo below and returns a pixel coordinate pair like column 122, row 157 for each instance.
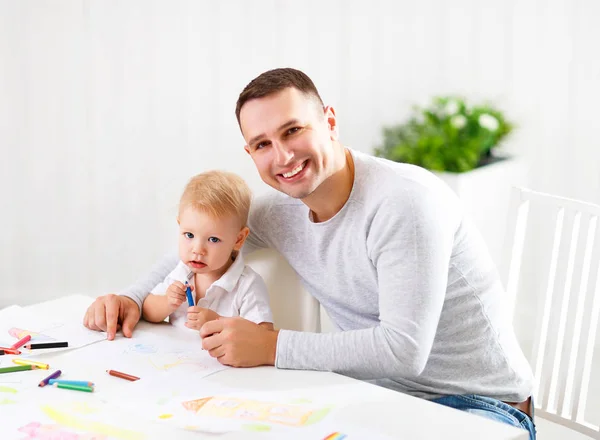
column 122, row 375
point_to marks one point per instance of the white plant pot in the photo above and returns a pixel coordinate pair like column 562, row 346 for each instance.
column 485, row 194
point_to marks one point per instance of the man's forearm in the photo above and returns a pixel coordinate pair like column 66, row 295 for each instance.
column 371, row 353
column 142, row 288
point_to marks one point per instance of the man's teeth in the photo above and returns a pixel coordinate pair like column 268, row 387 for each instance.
column 294, row 171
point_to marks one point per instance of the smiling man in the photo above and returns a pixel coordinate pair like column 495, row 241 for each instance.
column 385, row 248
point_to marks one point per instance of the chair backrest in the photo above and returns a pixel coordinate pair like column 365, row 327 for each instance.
column 567, row 315
column 292, row 306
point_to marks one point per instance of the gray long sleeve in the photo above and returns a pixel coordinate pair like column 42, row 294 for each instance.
column 406, row 279
column 139, row 290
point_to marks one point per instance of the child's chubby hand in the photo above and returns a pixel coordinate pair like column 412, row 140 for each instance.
column 176, row 295
column 197, row 316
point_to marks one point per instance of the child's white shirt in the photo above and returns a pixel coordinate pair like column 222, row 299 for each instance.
column 239, row 292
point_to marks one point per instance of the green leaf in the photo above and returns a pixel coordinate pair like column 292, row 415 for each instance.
column 429, row 139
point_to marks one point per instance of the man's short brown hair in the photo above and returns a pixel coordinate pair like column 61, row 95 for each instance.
column 274, row 81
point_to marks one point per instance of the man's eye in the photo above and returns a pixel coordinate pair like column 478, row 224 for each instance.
column 261, row 145
column 214, row 239
column 188, row 235
column 293, row 130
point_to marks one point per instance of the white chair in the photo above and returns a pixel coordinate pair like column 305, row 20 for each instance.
column 567, row 314
column 293, row 307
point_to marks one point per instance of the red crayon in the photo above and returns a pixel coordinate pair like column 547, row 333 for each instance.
column 122, row 375
column 21, row 342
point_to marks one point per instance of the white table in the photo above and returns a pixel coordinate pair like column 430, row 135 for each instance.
column 388, row 413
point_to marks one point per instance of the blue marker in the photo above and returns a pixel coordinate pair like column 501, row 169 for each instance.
column 188, row 293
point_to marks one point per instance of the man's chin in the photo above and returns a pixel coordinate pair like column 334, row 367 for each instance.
column 296, row 193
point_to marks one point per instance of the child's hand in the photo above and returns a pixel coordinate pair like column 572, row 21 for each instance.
column 176, row 295
column 197, row 316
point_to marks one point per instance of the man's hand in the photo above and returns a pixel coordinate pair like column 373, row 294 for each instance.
column 176, row 294
column 239, row 343
column 198, row 316
column 111, row 312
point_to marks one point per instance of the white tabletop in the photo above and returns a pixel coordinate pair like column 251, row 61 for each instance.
column 388, row 414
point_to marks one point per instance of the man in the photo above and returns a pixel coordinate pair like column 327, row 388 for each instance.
column 384, row 247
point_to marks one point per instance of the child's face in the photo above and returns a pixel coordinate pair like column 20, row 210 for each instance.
column 206, row 243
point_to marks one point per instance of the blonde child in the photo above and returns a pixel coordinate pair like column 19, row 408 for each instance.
column 213, row 212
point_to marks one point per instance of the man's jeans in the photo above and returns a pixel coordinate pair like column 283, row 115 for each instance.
column 492, row 409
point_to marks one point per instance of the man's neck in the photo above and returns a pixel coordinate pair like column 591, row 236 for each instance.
column 331, row 196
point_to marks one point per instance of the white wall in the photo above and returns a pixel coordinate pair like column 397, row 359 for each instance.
column 107, row 107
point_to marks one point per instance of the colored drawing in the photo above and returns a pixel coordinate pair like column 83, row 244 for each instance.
column 165, row 363
column 141, row 349
column 256, row 428
column 101, row 430
column 4, row 389
column 252, row 410
column 82, row 408
column 335, row 436
column 20, row 333
column 165, row 360
column 38, row 431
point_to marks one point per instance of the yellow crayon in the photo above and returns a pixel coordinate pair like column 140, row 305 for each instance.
column 40, row 365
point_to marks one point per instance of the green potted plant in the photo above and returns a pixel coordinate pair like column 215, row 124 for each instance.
column 449, row 135
column 457, row 142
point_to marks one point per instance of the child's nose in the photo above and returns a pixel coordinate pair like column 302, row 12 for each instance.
column 198, row 249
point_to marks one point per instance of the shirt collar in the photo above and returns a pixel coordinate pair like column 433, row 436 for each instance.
column 231, row 277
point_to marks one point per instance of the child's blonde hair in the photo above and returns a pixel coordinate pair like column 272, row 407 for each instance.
column 218, row 193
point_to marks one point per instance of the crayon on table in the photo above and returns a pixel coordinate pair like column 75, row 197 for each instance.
column 47, row 380
column 40, row 345
column 17, row 368
column 83, row 383
column 21, row 342
column 122, row 375
column 67, row 386
column 40, row 365
column 9, row 351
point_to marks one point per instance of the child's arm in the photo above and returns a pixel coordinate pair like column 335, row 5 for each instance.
column 157, row 307
column 197, row 316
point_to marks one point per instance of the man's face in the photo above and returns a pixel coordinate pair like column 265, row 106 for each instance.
column 290, row 138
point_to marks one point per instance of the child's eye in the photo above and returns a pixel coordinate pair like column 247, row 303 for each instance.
column 188, row 235
column 214, row 239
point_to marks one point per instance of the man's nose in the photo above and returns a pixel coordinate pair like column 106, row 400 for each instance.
column 283, row 154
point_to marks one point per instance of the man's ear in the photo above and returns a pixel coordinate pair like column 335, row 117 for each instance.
column 331, row 122
column 178, row 222
column 241, row 238
column 247, row 148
